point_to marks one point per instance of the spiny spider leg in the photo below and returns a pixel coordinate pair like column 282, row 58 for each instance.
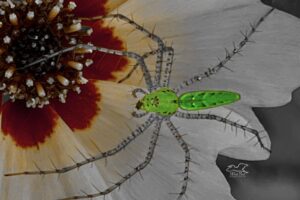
column 133, row 55
column 138, row 90
column 186, row 150
column 145, row 56
column 139, row 114
column 136, row 170
column 224, row 120
column 229, row 55
column 121, row 146
column 168, row 69
column 161, row 45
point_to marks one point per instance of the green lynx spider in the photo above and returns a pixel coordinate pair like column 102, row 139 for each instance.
column 165, row 101
column 157, row 84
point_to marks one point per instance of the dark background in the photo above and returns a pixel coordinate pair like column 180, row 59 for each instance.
column 279, row 177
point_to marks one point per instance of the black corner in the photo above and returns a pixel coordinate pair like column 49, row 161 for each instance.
column 289, row 6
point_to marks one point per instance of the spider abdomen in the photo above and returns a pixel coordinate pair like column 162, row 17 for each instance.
column 198, row 100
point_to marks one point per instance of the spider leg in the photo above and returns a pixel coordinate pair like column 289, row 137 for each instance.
column 139, row 114
column 134, row 68
column 160, row 43
column 165, row 79
column 103, row 155
column 225, row 120
column 139, row 59
column 228, row 57
column 186, row 150
column 136, row 170
column 138, row 90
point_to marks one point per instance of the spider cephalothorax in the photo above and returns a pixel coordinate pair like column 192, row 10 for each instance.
column 163, row 101
column 32, row 32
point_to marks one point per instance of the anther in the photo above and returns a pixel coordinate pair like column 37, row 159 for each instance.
column 53, row 13
column 40, row 90
column 6, row 40
column 75, row 65
column 10, row 72
column 9, row 59
column 59, row 26
column 38, row 2
column 89, row 62
column 73, row 28
column 13, row 89
column 29, row 82
column 13, row 19
column 64, row 81
column 71, row 6
column 50, row 80
column 2, row 86
column 30, row 15
column 77, row 89
column 82, row 81
column 89, row 32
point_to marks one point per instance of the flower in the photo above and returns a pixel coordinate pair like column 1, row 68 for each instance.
column 84, row 127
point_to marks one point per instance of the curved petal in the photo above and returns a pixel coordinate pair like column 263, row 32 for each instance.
column 227, row 136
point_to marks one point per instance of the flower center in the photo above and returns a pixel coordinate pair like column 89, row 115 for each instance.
column 33, row 67
column 33, row 44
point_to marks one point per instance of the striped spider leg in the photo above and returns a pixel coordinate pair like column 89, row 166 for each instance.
column 159, row 52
